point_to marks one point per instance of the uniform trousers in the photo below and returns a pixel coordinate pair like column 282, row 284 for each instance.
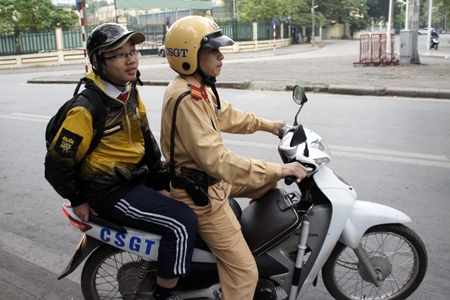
column 148, row 210
column 219, row 227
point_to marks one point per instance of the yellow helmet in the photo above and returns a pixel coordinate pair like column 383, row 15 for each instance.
column 186, row 36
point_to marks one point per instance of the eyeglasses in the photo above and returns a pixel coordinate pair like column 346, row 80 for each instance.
column 124, row 56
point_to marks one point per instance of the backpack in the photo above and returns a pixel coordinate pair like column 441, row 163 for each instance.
column 98, row 115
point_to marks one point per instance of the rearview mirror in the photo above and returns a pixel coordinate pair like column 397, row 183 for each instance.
column 299, row 95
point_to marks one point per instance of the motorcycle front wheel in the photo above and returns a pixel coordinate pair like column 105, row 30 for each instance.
column 394, row 250
column 111, row 273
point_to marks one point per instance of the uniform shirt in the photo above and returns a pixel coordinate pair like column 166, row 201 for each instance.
column 198, row 142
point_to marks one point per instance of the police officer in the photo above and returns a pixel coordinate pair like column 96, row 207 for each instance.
column 195, row 152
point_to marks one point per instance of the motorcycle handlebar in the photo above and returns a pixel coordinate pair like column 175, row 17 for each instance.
column 290, row 180
column 284, row 131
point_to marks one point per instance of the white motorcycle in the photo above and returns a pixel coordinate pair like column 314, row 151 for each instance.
column 363, row 249
column 434, row 43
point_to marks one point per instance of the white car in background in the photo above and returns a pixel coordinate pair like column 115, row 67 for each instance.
column 423, row 31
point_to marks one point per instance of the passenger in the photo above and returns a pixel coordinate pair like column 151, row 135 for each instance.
column 122, row 179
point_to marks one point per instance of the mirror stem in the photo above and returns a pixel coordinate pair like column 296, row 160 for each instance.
column 306, row 151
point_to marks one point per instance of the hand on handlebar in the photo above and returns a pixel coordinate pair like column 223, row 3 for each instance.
column 293, row 169
column 277, row 125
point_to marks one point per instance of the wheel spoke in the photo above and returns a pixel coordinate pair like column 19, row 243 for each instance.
column 391, row 253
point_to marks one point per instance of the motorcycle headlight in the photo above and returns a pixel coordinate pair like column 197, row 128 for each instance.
column 322, row 146
column 322, row 161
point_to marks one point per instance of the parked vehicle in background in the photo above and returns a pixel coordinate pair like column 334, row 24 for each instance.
column 423, row 31
column 162, row 51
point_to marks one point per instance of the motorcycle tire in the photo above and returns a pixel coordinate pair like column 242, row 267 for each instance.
column 394, row 249
column 110, row 273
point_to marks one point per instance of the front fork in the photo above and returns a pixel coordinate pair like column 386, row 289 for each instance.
column 375, row 276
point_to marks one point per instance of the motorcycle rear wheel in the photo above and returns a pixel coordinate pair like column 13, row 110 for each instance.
column 110, row 273
column 394, row 249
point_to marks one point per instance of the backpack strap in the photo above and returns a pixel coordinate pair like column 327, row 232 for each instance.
column 172, row 134
column 98, row 116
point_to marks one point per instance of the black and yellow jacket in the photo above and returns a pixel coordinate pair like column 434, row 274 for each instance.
column 126, row 155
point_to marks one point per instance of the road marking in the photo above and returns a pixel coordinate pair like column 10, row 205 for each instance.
column 26, row 117
column 32, row 116
column 429, row 160
column 37, row 254
column 343, row 149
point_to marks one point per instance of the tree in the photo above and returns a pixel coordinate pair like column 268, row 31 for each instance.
column 353, row 12
column 34, row 16
column 265, row 10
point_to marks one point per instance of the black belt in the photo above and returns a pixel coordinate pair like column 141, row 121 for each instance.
column 178, row 181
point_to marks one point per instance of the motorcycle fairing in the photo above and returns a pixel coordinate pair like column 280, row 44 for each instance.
column 365, row 215
column 85, row 247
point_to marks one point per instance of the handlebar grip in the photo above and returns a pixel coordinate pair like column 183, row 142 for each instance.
column 289, row 180
column 283, row 131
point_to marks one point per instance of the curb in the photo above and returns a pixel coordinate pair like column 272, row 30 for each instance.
column 283, row 86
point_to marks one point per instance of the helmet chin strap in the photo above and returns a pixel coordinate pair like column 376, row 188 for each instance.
column 210, row 81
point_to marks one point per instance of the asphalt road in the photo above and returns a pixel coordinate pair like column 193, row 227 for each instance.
column 394, row 151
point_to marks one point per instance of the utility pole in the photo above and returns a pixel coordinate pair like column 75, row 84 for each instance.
column 415, row 53
column 430, row 13
column 313, row 23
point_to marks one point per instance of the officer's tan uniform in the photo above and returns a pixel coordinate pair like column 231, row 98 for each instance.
column 199, row 145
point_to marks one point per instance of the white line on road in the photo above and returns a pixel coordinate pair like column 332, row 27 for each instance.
column 439, row 161
column 37, row 254
column 32, row 116
column 25, row 118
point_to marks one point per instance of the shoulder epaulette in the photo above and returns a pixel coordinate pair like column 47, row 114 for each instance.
column 199, row 92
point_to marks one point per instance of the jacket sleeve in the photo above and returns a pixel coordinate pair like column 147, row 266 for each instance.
column 66, row 151
column 233, row 120
column 204, row 144
column 157, row 178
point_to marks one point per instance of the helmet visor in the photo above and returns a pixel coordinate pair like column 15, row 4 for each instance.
column 216, row 40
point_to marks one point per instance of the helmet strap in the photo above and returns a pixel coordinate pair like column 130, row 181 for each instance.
column 210, row 81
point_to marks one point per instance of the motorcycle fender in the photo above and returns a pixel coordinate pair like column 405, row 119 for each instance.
column 86, row 246
column 365, row 215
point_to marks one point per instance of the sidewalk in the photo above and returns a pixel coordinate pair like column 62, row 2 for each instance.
column 320, row 69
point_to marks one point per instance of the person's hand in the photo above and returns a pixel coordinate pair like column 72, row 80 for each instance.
column 82, row 211
column 164, row 192
column 293, row 169
column 277, row 125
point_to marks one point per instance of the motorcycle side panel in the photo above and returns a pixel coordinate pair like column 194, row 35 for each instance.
column 285, row 252
column 365, row 215
column 141, row 243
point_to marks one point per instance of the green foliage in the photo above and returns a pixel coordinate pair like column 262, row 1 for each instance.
column 378, row 10
column 23, row 16
column 266, row 10
column 298, row 12
column 353, row 12
column 445, row 6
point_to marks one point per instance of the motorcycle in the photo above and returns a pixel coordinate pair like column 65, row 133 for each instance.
column 434, row 43
column 363, row 249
